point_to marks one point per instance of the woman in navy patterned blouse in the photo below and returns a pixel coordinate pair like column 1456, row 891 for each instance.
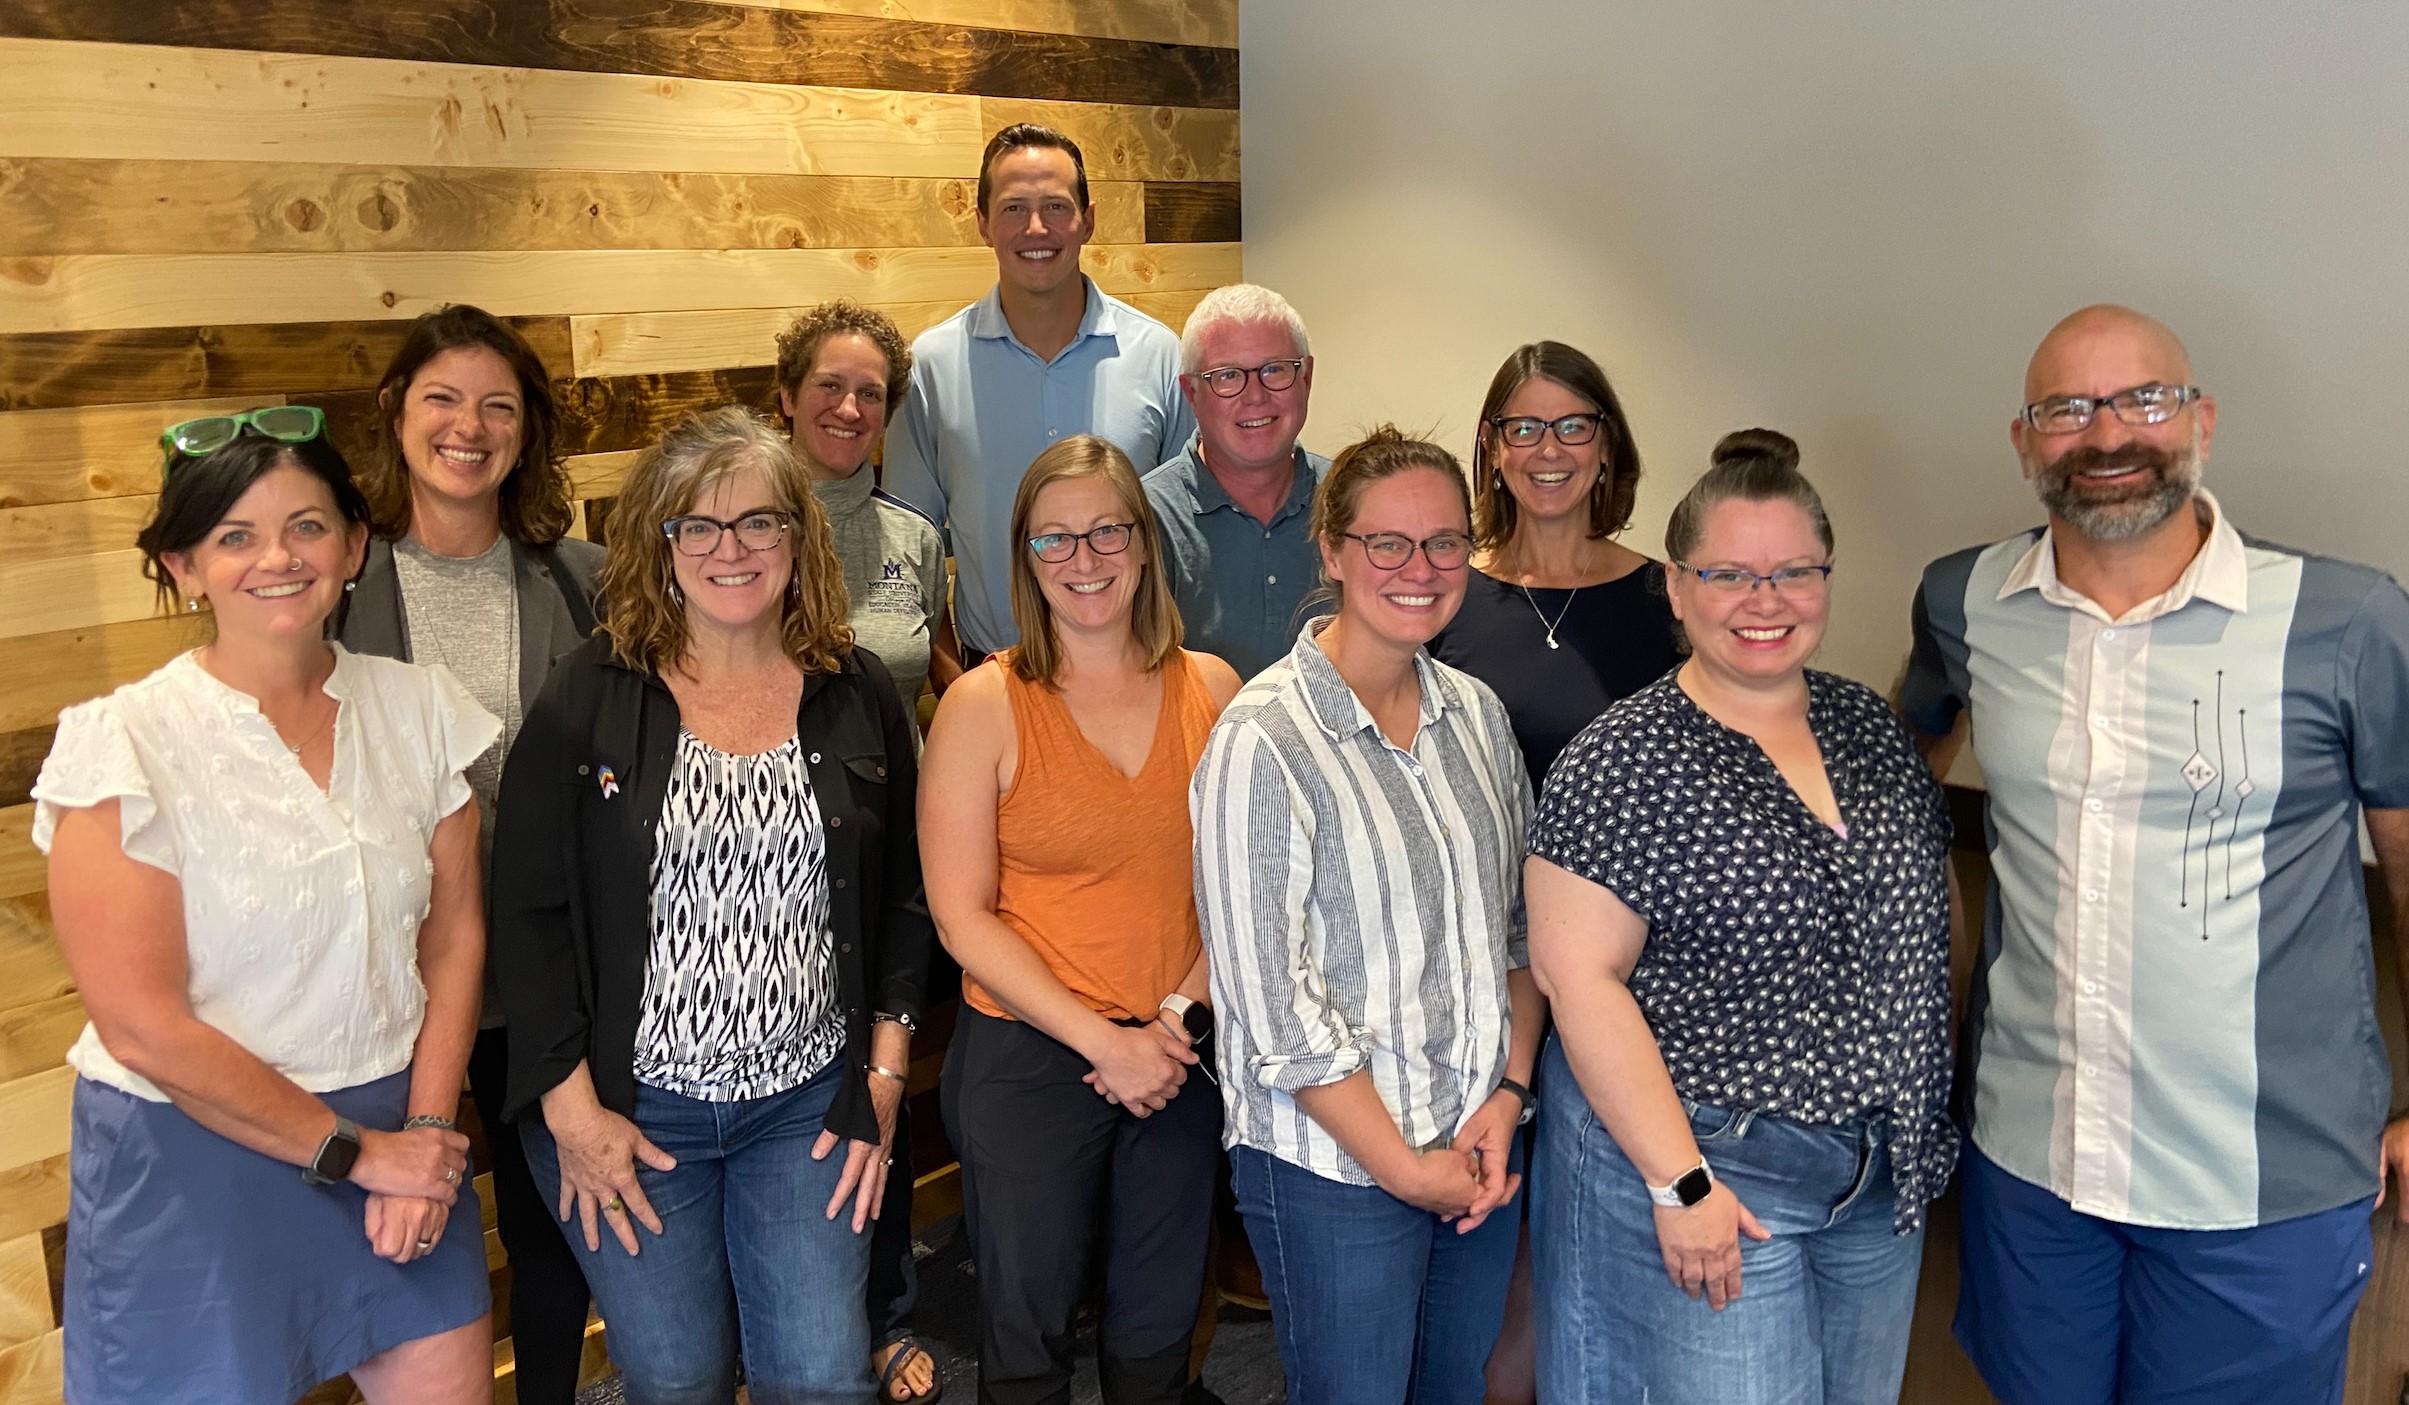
column 1739, row 904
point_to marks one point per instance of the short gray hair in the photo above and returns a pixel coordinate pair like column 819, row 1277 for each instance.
column 1237, row 304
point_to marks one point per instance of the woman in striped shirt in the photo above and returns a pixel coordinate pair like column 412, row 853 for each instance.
column 1359, row 819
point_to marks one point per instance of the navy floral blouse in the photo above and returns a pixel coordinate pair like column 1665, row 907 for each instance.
column 1788, row 969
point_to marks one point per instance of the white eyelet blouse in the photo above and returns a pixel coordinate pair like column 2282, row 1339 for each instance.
column 301, row 906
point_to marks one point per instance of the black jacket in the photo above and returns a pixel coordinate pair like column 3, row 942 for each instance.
column 556, row 585
column 571, row 893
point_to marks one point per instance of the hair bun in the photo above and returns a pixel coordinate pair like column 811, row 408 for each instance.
column 1741, row 445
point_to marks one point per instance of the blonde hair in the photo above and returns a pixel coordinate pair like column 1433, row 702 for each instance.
column 647, row 616
column 1153, row 615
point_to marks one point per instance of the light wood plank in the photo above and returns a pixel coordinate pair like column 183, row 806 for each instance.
column 88, row 292
column 1170, row 276
column 34, row 1113
column 36, row 1036
column 1132, row 143
column 23, row 870
column 176, row 207
column 69, row 530
column 152, row 102
column 31, row 969
column 24, row 1291
column 34, row 1197
column 44, row 597
column 34, row 1373
column 41, row 674
column 599, row 475
column 1210, row 22
column 99, row 451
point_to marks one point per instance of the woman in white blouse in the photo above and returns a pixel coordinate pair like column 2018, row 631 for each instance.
column 1359, row 818
column 263, row 868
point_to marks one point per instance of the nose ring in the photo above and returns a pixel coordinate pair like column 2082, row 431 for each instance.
column 293, row 567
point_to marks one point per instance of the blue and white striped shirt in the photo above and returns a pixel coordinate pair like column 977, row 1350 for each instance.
column 1362, row 902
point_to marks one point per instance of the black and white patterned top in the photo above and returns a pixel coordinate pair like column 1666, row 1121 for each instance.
column 740, row 997
column 1788, row 969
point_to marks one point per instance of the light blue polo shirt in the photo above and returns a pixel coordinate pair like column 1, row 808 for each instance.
column 2174, row 1021
column 983, row 406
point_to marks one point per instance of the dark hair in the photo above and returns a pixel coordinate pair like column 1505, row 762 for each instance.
column 799, row 346
column 200, row 492
column 1749, row 465
column 1021, row 136
column 1495, row 513
column 536, row 508
column 1383, row 453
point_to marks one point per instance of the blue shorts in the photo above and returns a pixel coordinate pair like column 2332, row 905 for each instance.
column 2057, row 1307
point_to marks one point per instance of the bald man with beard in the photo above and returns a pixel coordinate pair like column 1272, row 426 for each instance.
column 2176, row 1091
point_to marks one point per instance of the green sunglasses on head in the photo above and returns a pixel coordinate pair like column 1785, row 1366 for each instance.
column 286, row 424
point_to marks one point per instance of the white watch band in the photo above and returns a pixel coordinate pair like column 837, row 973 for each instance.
column 1177, row 1005
column 1670, row 1197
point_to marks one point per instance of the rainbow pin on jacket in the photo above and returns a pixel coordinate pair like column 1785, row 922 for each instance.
column 609, row 781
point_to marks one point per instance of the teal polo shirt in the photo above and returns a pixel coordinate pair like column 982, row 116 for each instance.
column 1241, row 584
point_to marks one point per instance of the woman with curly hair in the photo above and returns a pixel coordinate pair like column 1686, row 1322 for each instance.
column 710, row 933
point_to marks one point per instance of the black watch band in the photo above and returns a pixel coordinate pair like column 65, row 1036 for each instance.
column 1530, row 1104
column 336, row 1155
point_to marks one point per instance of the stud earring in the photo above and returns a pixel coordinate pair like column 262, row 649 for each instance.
column 192, row 607
column 349, row 586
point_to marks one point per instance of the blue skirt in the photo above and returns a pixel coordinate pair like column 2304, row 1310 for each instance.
column 199, row 1270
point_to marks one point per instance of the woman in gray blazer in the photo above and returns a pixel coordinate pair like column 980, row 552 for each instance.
column 471, row 567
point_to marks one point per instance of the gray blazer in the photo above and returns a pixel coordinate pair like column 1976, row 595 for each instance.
column 557, row 608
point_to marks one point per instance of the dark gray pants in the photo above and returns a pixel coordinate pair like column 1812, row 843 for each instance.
column 1051, row 1172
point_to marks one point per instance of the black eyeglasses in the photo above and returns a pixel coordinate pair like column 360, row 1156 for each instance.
column 1227, row 381
column 2141, row 405
column 1790, row 580
column 1390, row 551
column 1522, row 431
column 697, row 535
column 286, row 424
column 1111, row 539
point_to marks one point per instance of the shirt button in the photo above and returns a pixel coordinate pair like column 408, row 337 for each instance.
column 836, row 821
column 840, row 883
column 2091, row 895
column 2107, row 634
column 2091, row 1070
column 2091, row 987
column 1053, row 434
column 2094, row 806
column 1271, row 580
column 815, row 758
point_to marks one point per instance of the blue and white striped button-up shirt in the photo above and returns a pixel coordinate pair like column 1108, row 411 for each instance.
column 2174, row 1014
column 1362, row 902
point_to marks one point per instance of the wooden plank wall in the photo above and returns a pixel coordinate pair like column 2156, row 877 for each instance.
column 225, row 203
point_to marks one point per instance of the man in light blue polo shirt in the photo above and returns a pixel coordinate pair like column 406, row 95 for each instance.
column 1044, row 356
column 2179, row 1093
column 1236, row 503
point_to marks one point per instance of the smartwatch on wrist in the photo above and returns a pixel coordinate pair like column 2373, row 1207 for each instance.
column 1194, row 1018
column 1530, row 1104
column 335, row 1155
column 1691, row 1187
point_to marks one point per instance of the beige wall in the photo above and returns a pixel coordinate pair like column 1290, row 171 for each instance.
column 1852, row 223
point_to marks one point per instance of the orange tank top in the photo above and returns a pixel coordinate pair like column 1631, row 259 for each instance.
column 1099, row 868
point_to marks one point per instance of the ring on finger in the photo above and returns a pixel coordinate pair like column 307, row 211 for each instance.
column 425, row 1244
column 614, row 1203
column 451, row 1175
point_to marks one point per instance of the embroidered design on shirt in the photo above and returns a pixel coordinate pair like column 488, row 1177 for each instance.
column 2200, row 773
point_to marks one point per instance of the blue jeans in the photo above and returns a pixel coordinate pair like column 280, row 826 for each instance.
column 747, row 1259
column 1825, row 1304
column 1373, row 1301
column 2062, row 1308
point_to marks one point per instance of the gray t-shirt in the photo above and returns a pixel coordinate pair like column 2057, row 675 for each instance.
column 463, row 613
column 895, row 572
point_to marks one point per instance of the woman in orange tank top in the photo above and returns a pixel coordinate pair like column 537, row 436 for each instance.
column 1059, row 858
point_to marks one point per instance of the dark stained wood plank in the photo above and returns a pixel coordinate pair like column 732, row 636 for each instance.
column 598, row 414
column 64, row 206
column 21, row 756
column 50, row 370
column 670, row 38
column 1192, row 212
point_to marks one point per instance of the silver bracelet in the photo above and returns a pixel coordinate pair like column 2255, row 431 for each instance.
column 428, row 1119
column 877, row 1068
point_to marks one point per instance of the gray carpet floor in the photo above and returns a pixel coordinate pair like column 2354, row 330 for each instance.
column 1243, row 1368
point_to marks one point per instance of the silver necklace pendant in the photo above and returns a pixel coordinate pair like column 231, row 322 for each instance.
column 1551, row 640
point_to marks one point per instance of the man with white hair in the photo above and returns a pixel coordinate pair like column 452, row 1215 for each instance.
column 2177, row 1093
column 1236, row 504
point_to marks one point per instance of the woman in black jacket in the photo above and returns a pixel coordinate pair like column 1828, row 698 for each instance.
column 710, row 932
